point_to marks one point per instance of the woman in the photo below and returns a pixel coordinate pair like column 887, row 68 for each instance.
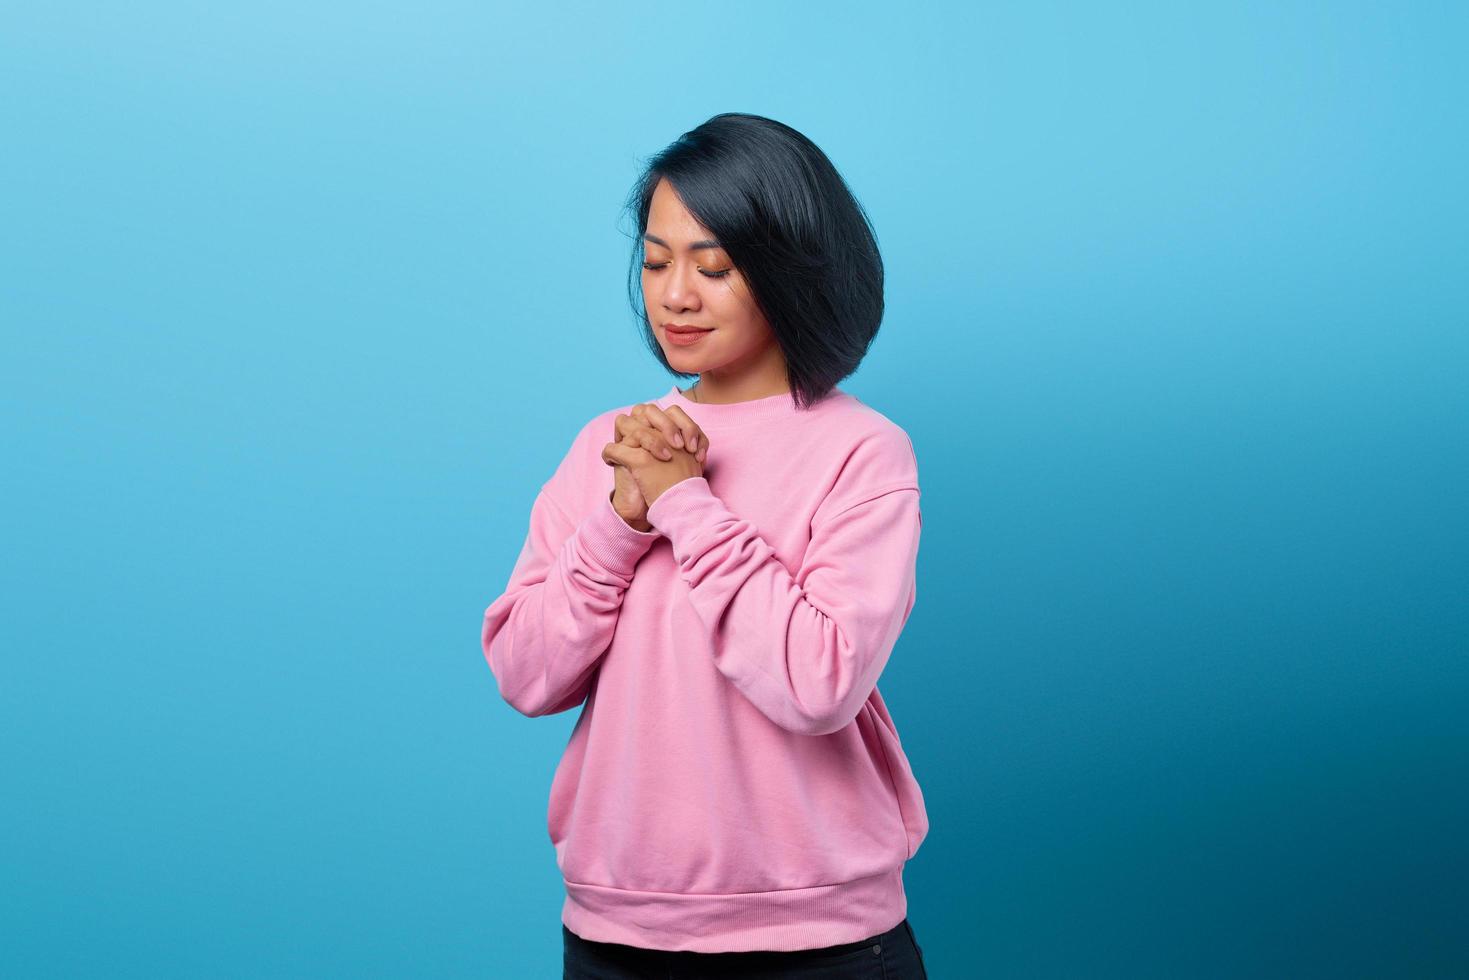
column 734, row 799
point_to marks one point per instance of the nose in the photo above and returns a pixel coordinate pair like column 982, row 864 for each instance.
column 680, row 291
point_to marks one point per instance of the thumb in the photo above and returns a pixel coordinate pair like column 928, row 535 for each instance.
column 616, row 454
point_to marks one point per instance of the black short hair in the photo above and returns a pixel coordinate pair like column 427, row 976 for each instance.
column 793, row 228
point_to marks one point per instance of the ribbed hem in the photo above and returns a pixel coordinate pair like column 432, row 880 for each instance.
column 783, row 920
column 689, row 501
column 612, row 541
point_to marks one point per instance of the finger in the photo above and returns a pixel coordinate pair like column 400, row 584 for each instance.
column 630, row 441
column 623, row 425
column 615, row 453
column 641, row 420
column 660, row 420
column 693, row 435
column 626, row 425
column 620, row 426
column 653, row 442
column 635, row 433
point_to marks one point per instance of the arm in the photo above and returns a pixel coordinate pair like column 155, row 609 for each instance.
column 545, row 635
column 806, row 649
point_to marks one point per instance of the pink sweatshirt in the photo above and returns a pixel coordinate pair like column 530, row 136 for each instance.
column 734, row 781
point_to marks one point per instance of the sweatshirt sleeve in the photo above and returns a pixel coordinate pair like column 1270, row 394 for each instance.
column 805, row 648
column 544, row 636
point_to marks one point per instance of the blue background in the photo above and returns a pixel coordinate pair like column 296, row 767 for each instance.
column 301, row 302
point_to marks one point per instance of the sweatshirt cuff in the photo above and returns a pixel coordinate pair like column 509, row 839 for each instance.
column 612, row 541
column 686, row 507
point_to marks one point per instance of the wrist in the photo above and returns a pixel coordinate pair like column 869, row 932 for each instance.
column 640, row 525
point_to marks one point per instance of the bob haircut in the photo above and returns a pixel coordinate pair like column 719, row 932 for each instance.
column 788, row 222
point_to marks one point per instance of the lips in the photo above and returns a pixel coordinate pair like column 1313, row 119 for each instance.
column 683, row 335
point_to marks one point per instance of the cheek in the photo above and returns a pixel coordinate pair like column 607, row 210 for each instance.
column 737, row 307
column 650, row 292
column 729, row 297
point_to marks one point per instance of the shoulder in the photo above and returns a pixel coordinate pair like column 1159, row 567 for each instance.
column 582, row 461
column 879, row 457
column 599, row 428
column 875, row 443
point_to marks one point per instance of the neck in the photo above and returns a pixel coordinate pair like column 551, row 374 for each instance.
column 698, row 391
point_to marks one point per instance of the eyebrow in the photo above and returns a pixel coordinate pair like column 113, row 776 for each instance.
column 702, row 243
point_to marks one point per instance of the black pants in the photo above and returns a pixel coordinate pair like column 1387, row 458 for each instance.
column 891, row 955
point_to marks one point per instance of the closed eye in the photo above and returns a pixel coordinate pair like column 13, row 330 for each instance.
column 720, row 274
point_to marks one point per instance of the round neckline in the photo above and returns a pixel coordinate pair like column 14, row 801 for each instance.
column 777, row 406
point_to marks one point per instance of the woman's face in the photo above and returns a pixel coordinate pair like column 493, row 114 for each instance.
column 689, row 280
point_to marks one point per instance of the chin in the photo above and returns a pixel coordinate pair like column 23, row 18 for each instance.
column 683, row 360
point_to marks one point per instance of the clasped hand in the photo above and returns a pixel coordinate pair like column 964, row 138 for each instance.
column 654, row 448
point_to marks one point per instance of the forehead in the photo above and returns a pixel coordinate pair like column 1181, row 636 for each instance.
column 670, row 223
